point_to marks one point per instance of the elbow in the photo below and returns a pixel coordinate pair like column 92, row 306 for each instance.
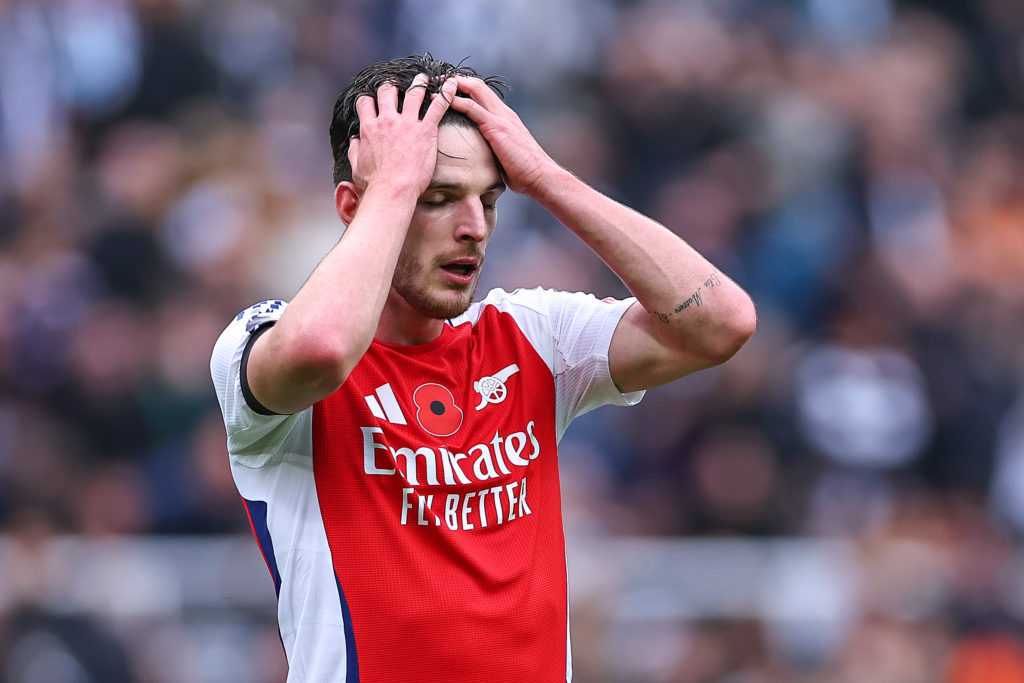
column 321, row 371
column 321, row 364
column 292, row 366
column 744, row 322
column 732, row 330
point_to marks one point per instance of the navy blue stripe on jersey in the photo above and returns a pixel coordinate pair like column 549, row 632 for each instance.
column 257, row 510
column 352, row 663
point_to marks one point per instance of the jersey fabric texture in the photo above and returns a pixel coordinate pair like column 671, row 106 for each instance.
column 411, row 521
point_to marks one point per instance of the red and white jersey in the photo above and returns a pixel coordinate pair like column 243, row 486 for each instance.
column 412, row 520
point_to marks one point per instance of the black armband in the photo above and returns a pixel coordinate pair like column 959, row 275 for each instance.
column 247, row 394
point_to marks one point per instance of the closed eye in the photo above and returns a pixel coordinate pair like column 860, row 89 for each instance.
column 490, row 200
column 435, row 200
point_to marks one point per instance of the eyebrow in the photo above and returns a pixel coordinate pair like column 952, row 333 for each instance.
column 498, row 185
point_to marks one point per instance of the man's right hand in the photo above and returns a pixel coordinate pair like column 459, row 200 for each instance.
column 395, row 146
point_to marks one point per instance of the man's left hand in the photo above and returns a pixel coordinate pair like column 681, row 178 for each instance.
column 524, row 161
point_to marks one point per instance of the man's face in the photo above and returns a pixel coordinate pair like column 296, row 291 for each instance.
column 439, row 266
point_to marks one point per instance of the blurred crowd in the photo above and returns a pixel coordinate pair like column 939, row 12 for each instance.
column 856, row 165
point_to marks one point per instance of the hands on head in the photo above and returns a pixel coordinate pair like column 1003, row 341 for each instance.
column 401, row 145
column 524, row 161
column 398, row 145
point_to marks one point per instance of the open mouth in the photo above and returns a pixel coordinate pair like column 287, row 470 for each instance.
column 462, row 269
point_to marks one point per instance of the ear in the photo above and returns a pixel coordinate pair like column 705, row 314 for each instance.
column 346, row 200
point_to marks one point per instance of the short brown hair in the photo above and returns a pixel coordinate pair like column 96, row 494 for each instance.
column 345, row 121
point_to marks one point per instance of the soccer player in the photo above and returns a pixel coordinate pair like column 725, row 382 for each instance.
column 394, row 442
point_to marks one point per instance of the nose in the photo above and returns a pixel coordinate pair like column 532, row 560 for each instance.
column 472, row 224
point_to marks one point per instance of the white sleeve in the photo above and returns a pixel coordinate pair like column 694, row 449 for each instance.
column 573, row 333
column 255, row 435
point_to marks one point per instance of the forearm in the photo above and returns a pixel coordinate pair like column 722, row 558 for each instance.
column 693, row 304
column 343, row 298
column 330, row 323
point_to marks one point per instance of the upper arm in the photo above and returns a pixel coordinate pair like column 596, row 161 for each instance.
column 271, row 378
column 284, row 382
column 250, row 430
column 647, row 352
column 640, row 359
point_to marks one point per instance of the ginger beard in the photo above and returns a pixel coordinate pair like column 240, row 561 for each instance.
column 412, row 283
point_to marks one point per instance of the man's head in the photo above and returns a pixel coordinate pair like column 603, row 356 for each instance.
column 439, row 264
column 345, row 121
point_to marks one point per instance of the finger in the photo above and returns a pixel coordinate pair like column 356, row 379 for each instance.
column 414, row 95
column 440, row 103
column 387, row 98
column 366, row 108
column 480, row 92
column 470, row 108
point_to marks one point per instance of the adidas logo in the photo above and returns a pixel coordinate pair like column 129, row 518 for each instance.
column 384, row 405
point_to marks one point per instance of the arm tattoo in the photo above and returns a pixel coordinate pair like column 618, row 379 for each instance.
column 696, row 299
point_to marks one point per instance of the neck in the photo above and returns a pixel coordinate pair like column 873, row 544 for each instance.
column 401, row 324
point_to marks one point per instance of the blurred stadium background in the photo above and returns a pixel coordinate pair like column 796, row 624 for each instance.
column 842, row 502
